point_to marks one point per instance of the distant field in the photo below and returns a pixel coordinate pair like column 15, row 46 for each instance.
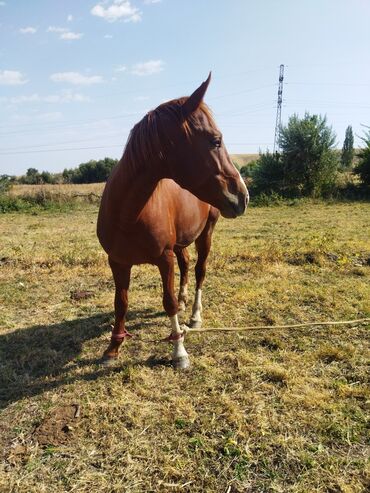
column 64, row 189
column 243, row 159
column 258, row 412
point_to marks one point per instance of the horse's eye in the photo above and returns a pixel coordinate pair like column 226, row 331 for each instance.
column 216, row 142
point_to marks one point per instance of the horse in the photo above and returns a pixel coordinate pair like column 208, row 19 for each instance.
column 173, row 181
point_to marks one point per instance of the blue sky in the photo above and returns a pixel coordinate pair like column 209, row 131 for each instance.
column 75, row 75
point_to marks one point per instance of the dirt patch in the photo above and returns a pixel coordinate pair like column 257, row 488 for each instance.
column 58, row 426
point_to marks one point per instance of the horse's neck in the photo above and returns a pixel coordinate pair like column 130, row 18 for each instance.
column 133, row 190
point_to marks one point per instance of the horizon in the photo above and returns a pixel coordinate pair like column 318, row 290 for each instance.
column 75, row 78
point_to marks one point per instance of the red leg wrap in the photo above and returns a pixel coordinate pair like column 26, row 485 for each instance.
column 120, row 336
column 173, row 337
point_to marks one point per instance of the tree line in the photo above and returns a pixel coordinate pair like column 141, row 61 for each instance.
column 308, row 164
column 94, row 171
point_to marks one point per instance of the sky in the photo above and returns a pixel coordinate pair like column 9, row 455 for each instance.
column 76, row 75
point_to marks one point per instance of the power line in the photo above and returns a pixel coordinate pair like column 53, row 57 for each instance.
column 327, row 84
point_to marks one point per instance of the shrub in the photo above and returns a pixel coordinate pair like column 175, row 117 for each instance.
column 309, row 161
column 363, row 167
column 268, row 174
column 247, row 170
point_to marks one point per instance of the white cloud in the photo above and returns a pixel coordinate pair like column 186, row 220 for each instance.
column 76, row 78
column 64, row 32
column 11, row 78
column 54, row 29
column 120, row 68
column 70, row 35
column 148, row 68
column 63, row 97
column 28, row 30
column 118, row 10
column 66, row 97
column 70, row 18
column 108, row 36
column 148, row 2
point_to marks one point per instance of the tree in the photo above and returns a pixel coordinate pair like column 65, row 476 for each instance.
column 347, row 149
column 309, row 161
column 32, row 177
column 90, row 172
column 47, row 177
column 268, row 174
column 363, row 167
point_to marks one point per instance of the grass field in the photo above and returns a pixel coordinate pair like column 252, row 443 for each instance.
column 269, row 411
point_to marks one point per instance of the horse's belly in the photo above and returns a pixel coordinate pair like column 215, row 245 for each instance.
column 189, row 227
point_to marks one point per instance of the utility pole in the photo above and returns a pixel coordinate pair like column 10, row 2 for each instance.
column 278, row 111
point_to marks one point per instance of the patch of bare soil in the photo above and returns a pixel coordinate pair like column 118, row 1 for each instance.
column 58, row 426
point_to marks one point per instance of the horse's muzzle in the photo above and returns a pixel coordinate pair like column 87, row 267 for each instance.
column 235, row 204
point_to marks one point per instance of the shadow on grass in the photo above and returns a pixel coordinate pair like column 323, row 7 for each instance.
column 41, row 358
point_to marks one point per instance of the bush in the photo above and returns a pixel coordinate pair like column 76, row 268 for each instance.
column 247, row 170
column 363, row 167
column 268, row 174
column 309, row 161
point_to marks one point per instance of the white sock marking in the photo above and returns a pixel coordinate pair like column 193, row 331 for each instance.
column 197, row 307
column 179, row 350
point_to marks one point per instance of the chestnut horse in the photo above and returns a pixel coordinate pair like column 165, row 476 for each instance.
column 168, row 189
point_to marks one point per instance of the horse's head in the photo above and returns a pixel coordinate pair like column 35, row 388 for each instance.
column 198, row 159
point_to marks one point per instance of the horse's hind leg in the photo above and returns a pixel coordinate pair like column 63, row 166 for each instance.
column 180, row 358
column 183, row 261
column 203, row 246
column 121, row 276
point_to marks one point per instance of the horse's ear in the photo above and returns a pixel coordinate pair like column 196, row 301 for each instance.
column 193, row 102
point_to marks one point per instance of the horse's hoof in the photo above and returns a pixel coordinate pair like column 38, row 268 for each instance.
column 181, row 363
column 195, row 324
column 108, row 361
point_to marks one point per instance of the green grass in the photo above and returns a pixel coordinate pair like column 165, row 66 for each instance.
column 269, row 411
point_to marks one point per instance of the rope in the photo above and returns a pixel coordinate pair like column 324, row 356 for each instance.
column 272, row 327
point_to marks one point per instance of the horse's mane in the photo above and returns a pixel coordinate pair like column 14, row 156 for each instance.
column 148, row 140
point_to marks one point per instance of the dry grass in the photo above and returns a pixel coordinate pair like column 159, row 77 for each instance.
column 277, row 411
column 68, row 190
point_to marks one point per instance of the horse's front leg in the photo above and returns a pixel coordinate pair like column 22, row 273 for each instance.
column 183, row 261
column 180, row 358
column 121, row 276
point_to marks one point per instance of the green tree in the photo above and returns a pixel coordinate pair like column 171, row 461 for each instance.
column 47, row 177
column 363, row 167
column 32, row 177
column 90, row 172
column 309, row 161
column 348, row 151
column 268, row 174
